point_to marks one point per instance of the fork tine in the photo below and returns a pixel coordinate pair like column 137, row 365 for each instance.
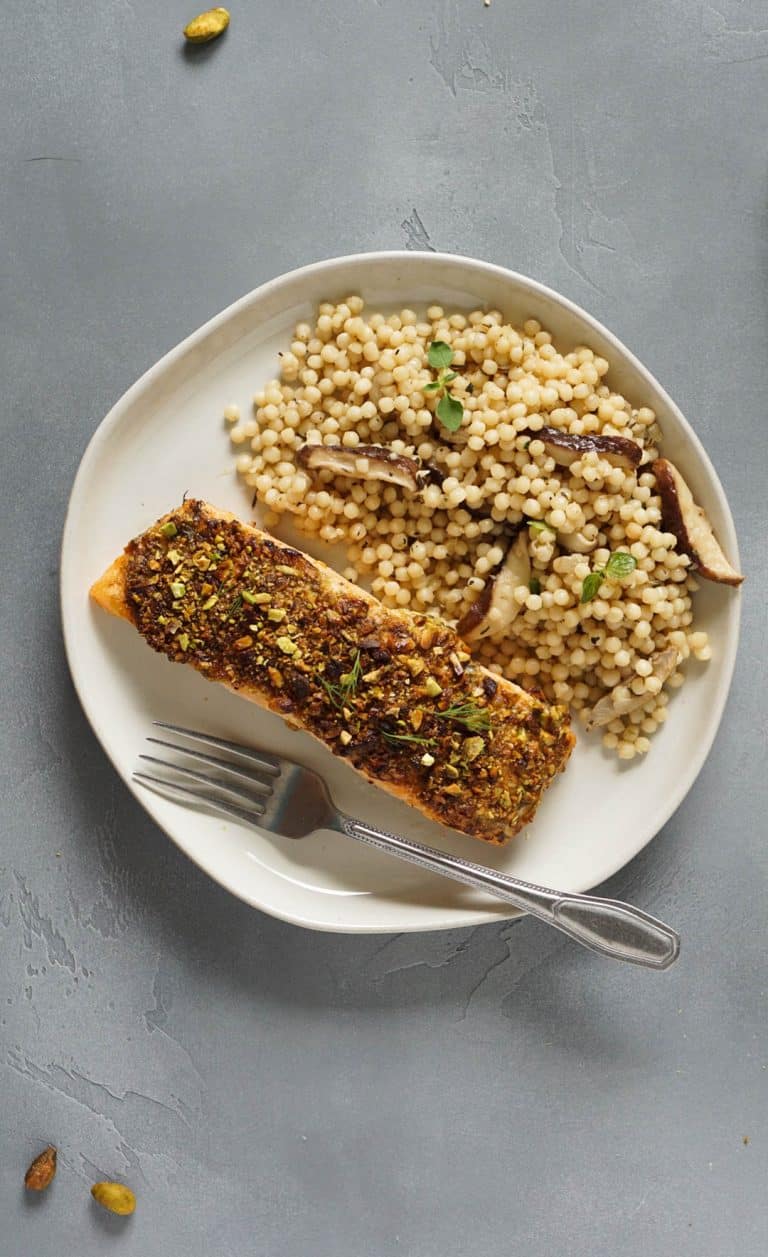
column 183, row 794
column 211, row 783
column 252, row 775
column 269, row 763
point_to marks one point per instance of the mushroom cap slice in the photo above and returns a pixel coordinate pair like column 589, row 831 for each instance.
column 362, row 462
column 496, row 608
column 566, row 447
column 606, row 709
column 683, row 517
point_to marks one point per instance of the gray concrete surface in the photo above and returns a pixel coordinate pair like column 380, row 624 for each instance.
column 269, row 1092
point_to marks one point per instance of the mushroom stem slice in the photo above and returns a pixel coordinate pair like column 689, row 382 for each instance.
column 496, row 608
column 607, row 708
column 683, row 517
column 362, row 462
column 576, row 542
column 566, row 447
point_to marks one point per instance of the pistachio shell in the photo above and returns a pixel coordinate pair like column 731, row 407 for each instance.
column 114, row 1196
column 41, row 1171
column 207, row 26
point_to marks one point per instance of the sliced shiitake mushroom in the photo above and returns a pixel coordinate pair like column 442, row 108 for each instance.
column 566, row 447
column 496, row 608
column 363, row 462
column 607, row 709
column 681, row 516
column 577, row 542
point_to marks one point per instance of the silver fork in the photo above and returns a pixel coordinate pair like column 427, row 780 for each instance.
column 287, row 799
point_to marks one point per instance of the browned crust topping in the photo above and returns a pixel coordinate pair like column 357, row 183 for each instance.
column 394, row 693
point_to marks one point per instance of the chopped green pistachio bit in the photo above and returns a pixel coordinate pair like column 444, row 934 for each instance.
column 249, row 597
column 285, row 569
column 427, row 759
column 173, row 557
column 432, row 688
column 162, row 619
column 183, row 640
column 178, row 588
column 473, row 747
column 168, row 529
column 286, row 645
column 277, row 614
column 345, row 737
column 210, row 602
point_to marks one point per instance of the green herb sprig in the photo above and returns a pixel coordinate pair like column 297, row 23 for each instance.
column 407, row 737
column 449, row 409
column 474, row 719
column 619, row 566
column 348, row 682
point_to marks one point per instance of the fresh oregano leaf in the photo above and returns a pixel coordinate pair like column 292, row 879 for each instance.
column 434, row 386
column 591, row 585
column 620, row 565
column 439, row 355
column 450, row 413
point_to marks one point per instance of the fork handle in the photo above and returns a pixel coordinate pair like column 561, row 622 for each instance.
column 603, row 925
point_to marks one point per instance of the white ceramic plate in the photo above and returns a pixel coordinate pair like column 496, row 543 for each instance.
column 166, row 436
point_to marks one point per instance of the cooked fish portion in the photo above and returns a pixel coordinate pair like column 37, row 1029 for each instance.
column 396, row 694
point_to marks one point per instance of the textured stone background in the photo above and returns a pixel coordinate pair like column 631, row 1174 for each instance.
column 273, row 1092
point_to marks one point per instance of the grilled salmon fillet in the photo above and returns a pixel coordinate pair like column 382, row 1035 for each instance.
column 394, row 693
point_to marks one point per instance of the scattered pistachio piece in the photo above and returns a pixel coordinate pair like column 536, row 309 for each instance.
column 432, row 688
column 345, row 738
column 473, row 747
column 286, row 645
column 210, row 602
column 276, row 614
column 168, row 529
column 207, row 26
column 183, row 640
column 42, row 1170
column 178, row 588
column 427, row 759
column 115, row 1197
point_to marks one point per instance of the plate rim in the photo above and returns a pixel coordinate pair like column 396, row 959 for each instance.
column 461, row 917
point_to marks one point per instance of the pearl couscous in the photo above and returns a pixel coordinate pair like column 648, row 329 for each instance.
column 359, row 379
